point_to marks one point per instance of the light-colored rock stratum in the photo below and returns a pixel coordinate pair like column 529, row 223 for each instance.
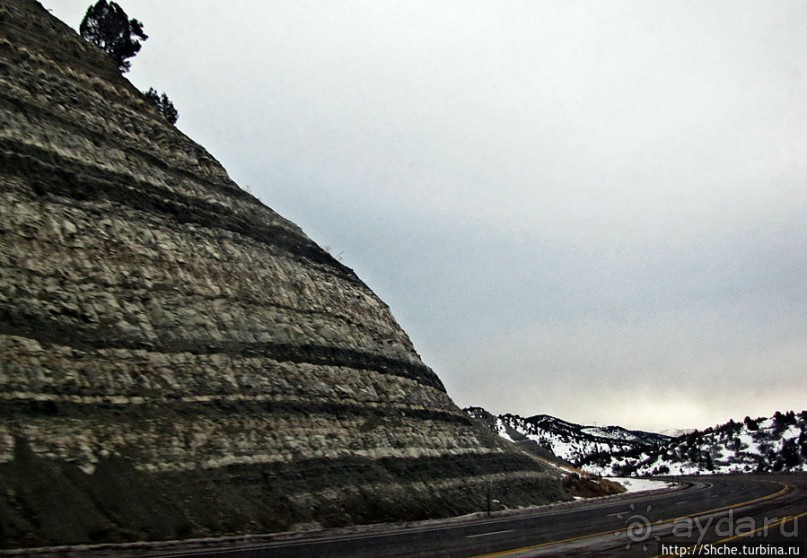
column 178, row 360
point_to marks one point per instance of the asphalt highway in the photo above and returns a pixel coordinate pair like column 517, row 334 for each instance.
column 726, row 515
column 723, row 511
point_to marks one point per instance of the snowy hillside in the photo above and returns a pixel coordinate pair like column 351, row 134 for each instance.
column 570, row 442
column 778, row 443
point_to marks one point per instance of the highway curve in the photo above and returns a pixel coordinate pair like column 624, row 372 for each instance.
column 727, row 510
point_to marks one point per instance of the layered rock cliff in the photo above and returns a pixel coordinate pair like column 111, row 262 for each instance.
column 178, row 360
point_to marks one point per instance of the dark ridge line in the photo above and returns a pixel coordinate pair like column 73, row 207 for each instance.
column 244, row 299
column 317, row 472
column 14, row 321
column 86, row 183
column 169, row 407
column 333, row 356
column 227, row 186
column 313, row 470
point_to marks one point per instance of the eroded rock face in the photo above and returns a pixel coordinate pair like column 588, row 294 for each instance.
column 178, row 360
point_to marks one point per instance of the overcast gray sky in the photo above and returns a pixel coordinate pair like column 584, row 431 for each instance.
column 595, row 210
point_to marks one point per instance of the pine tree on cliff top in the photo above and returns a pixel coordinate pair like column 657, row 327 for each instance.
column 108, row 27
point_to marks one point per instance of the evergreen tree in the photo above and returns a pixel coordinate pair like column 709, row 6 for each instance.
column 108, row 27
column 163, row 104
column 790, row 453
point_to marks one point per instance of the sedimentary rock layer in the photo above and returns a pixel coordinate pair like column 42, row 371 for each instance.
column 176, row 359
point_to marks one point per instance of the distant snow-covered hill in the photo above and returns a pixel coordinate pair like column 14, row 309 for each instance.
column 778, row 443
column 573, row 443
column 675, row 432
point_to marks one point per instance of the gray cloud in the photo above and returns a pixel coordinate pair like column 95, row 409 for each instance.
column 595, row 210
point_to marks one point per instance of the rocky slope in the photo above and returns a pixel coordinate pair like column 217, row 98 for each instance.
column 178, row 360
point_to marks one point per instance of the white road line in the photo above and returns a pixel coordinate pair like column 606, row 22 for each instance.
column 489, row 534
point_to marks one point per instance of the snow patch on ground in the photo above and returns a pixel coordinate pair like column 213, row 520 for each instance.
column 640, row 485
column 502, row 430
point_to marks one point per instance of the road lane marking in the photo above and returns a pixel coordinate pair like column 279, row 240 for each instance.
column 786, row 519
column 775, row 524
column 489, row 534
column 786, row 488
